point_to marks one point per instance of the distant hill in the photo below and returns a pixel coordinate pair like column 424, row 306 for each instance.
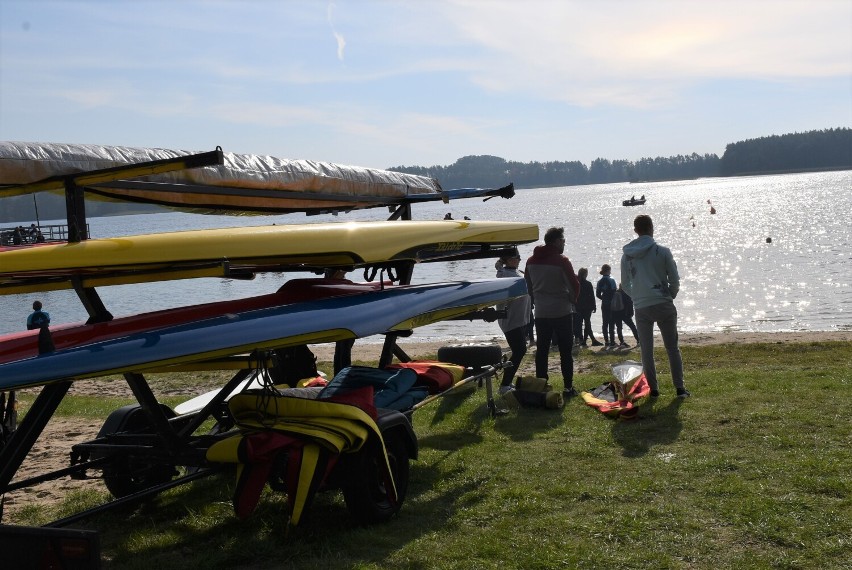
column 829, row 149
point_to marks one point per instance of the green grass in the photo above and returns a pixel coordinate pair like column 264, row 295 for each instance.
column 753, row 471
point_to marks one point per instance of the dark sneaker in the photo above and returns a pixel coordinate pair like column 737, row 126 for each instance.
column 623, row 345
column 569, row 393
column 597, row 343
column 683, row 393
column 655, row 393
column 504, row 389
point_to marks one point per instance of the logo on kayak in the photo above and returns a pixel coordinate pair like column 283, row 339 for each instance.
column 449, row 246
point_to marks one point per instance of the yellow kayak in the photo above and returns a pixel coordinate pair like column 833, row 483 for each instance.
column 243, row 251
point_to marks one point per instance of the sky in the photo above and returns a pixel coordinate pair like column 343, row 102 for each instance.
column 421, row 83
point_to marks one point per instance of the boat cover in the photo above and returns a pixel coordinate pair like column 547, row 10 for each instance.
column 244, row 182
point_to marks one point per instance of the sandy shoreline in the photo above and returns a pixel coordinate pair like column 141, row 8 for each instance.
column 418, row 349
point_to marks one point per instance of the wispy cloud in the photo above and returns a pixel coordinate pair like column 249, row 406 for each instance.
column 341, row 41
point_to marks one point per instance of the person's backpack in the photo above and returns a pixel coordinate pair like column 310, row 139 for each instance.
column 617, row 303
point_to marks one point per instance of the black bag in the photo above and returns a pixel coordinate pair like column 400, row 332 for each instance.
column 292, row 364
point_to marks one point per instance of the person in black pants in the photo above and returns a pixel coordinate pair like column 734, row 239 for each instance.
column 586, row 305
column 604, row 291
column 553, row 288
column 514, row 325
column 624, row 316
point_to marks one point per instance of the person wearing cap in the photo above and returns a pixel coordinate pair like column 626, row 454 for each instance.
column 649, row 275
column 604, row 291
column 553, row 288
column 514, row 325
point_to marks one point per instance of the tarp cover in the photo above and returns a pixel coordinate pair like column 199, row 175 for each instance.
column 243, row 182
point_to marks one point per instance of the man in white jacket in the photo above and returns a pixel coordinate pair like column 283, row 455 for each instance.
column 649, row 275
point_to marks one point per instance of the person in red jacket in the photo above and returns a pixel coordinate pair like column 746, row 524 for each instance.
column 553, row 288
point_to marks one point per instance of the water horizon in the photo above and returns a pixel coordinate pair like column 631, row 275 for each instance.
column 775, row 257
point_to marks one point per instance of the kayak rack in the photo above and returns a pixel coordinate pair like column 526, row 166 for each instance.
column 166, row 439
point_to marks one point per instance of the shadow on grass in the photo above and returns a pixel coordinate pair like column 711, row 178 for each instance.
column 200, row 522
column 655, row 425
column 525, row 423
column 450, row 403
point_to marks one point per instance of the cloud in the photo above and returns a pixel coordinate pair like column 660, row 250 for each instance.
column 341, row 41
column 642, row 54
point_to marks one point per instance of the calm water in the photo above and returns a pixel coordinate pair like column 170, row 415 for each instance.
column 731, row 278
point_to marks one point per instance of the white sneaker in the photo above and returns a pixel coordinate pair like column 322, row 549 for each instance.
column 505, row 389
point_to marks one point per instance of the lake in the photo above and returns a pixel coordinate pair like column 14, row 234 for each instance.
column 775, row 257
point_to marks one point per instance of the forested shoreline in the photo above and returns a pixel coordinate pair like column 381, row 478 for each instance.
column 829, row 149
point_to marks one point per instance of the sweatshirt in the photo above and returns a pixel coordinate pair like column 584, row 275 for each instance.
column 648, row 272
column 517, row 310
column 551, row 282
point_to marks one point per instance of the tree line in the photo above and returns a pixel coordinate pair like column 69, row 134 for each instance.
column 829, row 149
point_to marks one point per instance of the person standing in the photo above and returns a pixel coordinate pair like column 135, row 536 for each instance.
column 649, row 275
column 586, row 305
column 553, row 289
column 38, row 318
column 604, row 291
column 514, row 326
column 627, row 317
column 622, row 314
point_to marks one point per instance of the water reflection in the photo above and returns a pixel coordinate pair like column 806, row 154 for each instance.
column 732, row 278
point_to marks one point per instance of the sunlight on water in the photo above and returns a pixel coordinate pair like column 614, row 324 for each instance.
column 732, row 279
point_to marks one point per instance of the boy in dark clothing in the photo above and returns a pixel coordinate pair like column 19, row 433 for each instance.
column 37, row 318
column 624, row 316
column 604, row 291
column 586, row 305
column 553, row 288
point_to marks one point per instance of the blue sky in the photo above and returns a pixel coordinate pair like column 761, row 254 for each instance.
column 388, row 83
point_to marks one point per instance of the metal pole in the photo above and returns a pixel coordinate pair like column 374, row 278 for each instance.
column 38, row 223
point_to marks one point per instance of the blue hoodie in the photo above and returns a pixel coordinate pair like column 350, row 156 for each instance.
column 648, row 272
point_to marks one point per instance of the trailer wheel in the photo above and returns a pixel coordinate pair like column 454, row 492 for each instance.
column 473, row 355
column 125, row 473
column 128, row 475
column 365, row 492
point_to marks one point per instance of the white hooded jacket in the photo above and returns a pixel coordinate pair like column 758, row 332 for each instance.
column 648, row 272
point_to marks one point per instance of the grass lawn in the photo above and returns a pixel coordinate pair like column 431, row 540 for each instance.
column 753, row 471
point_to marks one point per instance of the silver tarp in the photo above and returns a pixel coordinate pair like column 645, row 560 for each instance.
column 243, row 182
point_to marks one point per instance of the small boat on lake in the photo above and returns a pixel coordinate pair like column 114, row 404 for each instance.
column 633, row 201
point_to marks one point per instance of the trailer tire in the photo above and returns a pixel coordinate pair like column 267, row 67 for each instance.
column 472, row 355
column 364, row 492
column 126, row 474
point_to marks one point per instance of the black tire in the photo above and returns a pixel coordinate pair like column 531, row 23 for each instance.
column 364, row 491
column 473, row 355
column 126, row 474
